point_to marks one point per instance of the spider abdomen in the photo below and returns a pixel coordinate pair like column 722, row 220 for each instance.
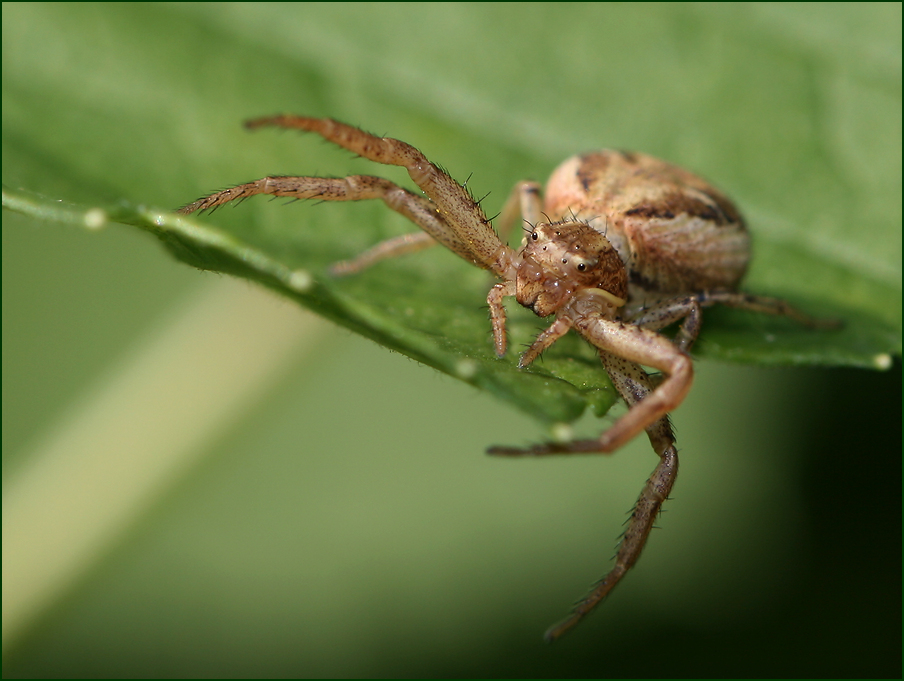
column 675, row 233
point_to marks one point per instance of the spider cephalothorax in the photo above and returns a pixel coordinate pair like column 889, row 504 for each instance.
column 559, row 258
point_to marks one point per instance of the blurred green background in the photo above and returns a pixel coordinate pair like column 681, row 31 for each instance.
column 341, row 519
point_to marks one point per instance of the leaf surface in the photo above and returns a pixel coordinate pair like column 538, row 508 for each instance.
column 823, row 199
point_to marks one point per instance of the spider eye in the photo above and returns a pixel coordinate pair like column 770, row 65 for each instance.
column 581, row 267
column 534, row 236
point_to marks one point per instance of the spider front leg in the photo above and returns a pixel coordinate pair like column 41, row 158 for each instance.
column 633, row 344
column 644, row 347
column 451, row 202
column 418, row 209
column 523, row 201
column 634, row 385
column 622, row 349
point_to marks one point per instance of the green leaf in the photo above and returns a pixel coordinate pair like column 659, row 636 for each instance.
column 810, row 190
column 794, row 110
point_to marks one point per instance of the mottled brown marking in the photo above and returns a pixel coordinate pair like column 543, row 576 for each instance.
column 629, row 156
column 592, row 167
column 641, row 281
column 677, row 203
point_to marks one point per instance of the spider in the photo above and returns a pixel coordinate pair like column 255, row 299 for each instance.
column 660, row 245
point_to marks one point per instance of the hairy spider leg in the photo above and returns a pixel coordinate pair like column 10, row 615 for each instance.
column 452, row 203
column 418, row 209
column 523, row 201
column 634, row 385
column 689, row 307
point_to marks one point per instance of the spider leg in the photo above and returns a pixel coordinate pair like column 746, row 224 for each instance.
column 622, row 349
column 399, row 245
column 546, row 338
column 452, row 203
column 643, row 516
column 418, row 209
column 634, row 345
column 523, row 202
column 634, row 385
column 764, row 305
column 689, row 308
column 497, row 314
column 667, row 312
column 644, row 347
